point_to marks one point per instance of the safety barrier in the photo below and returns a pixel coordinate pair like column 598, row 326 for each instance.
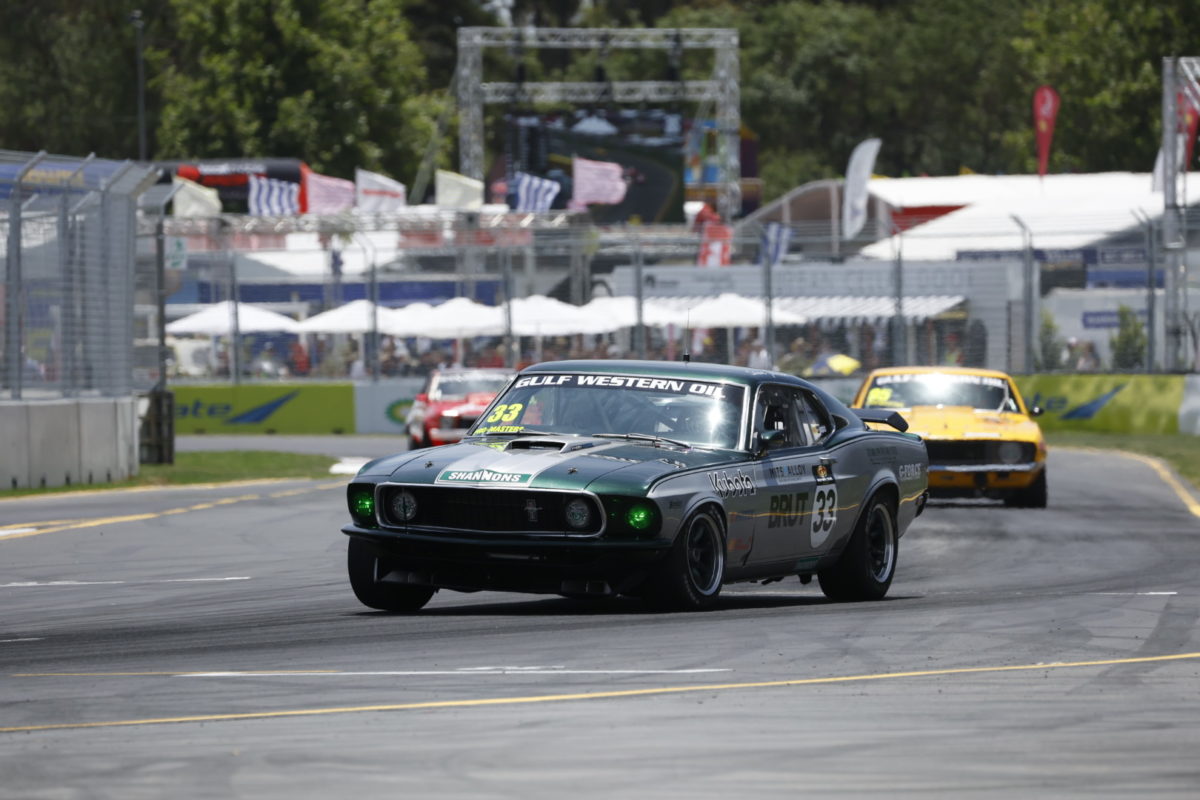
column 67, row 442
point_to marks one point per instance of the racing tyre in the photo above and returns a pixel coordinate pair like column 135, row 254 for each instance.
column 1033, row 497
column 365, row 570
column 690, row 578
column 867, row 565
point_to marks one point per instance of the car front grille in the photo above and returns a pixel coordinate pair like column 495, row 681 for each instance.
column 460, row 422
column 951, row 453
column 490, row 510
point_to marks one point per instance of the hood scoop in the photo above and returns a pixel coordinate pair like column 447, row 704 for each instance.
column 539, row 443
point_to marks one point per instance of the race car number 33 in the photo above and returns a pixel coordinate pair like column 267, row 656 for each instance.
column 824, row 514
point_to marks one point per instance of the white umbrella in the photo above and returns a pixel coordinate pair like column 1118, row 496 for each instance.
column 409, row 320
column 731, row 310
column 538, row 315
column 217, row 320
column 462, row 317
column 352, row 317
column 623, row 309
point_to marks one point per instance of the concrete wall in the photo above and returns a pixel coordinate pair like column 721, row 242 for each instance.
column 67, row 442
column 382, row 407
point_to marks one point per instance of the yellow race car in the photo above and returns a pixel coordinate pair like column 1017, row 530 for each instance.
column 981, row 437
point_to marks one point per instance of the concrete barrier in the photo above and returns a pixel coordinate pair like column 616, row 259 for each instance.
column 67, row 442
column 54, row 443
column 14, row 445
column 1189, row 408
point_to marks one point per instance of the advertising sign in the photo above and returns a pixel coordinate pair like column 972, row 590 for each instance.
column 265, row 408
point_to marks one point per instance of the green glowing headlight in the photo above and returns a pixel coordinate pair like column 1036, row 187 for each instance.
column 362, row 504
column 639, row 517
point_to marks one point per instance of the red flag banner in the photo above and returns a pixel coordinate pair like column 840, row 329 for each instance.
column 1188, row 119
column 1045, row 110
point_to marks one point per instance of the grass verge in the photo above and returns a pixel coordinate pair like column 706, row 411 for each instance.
column 210, row 467
column 1179, row 450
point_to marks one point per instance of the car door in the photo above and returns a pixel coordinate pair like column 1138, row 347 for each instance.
column 787, row 505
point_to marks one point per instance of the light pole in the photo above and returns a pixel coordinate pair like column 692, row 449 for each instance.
column 135, row 17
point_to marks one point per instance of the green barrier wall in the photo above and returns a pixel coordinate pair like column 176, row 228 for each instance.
column 1105, row 403
column 273, row 408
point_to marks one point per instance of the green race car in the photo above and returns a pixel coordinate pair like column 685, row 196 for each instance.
column 656, row 479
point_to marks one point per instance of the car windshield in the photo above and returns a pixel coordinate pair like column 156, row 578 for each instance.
column 460, row 384
column 982, row 392
column 700, row 413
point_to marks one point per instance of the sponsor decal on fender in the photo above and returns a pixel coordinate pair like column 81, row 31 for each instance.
column 739, row 484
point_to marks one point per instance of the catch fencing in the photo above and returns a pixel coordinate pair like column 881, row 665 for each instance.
column 68, row 226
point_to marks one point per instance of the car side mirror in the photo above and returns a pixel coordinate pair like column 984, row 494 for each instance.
column 769, row 440
column 421, row 398
column 1036, row 411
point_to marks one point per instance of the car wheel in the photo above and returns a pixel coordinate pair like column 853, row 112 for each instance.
column 690, row 578
column 364, row 567
column 1033, row 497
column 867, row 565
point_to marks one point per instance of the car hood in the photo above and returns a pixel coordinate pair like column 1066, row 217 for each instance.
column 964, row 422
column 549, row 462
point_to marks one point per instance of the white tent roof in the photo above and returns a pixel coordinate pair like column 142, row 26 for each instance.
column 217, row 320
column 1063, row 212
column 352, row 317
column 731, row 310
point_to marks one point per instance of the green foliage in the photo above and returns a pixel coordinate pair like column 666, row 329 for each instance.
column 1049, row 353
column 1129, row 342
column 345, row 83
column 326, row 81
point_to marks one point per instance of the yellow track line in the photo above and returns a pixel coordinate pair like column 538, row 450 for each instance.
column 71, row 525
column 558, row 698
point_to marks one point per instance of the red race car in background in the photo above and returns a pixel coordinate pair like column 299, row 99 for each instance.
column 451, row 402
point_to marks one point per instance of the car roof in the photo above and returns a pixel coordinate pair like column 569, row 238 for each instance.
column 914, row 370
column 696, row 370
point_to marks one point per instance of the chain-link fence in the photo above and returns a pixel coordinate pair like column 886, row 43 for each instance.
column 1004, row 294
column 68, row 228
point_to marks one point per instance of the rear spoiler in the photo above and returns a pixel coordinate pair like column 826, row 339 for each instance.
column 883, row 416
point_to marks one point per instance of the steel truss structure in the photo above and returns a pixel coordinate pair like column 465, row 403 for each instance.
column 1181, row 80
column 723, row 90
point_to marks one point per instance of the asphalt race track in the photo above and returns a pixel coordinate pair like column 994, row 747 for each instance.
column 204, row 642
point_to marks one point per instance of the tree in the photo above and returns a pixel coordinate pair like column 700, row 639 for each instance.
column 68, row 76
column 336, row 83
column 1049, row 357
column 1129, row 343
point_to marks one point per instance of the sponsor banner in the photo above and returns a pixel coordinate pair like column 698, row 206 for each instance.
column 669, row 385
column 265, row 408
column 1105, row 403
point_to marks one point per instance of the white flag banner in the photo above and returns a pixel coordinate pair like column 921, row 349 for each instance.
column 375, row 192
column 458, row 191
column 596, row 182
column 273, row 198
column 193, row 200
column 854, row 192
column 534, row 193
column 327, row 195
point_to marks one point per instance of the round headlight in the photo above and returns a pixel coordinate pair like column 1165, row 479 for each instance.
column 579, row 514
column 404, row 505
column 1010, row 453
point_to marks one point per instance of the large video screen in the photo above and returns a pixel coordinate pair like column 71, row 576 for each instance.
column 647, row 143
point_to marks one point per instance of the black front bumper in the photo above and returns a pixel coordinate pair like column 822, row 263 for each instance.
column 537, row 565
